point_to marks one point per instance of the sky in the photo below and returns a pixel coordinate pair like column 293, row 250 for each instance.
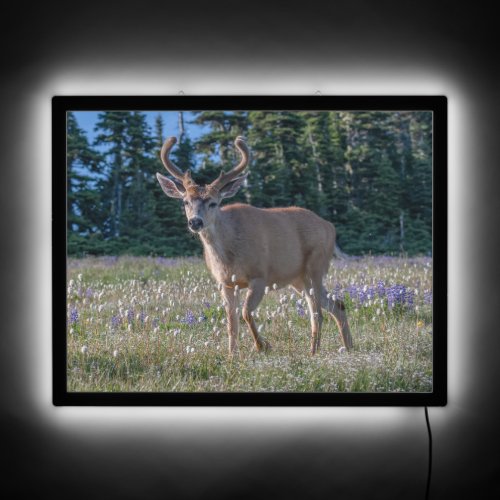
column 87, row 120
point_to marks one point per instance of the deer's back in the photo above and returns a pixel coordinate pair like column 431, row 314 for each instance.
column 279, row 241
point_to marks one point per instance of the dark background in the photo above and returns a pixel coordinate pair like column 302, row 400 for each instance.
column 348, row 47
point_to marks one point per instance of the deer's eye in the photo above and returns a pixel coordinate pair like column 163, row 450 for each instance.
column 212, row 204
column 186, row 203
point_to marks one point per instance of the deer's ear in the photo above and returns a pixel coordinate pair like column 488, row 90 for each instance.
column 231, row 188
column 174, row 189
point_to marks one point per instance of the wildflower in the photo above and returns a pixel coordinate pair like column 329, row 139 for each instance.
column 73, row 316
column 115, row 321
column 300, row 310
column 266, row 290
column 260, row 328
column 115, row 353
column 130, row 315
column 84, row 349
column 275, row 286
column 189, row 318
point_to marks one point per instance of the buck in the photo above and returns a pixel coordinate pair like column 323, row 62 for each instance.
column 252, row 248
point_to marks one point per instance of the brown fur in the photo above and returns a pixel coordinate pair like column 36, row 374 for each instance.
column 254, row 247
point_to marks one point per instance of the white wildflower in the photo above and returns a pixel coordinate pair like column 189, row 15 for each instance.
column 84, row 349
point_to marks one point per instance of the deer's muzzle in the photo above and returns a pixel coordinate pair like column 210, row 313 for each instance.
column 195, row 224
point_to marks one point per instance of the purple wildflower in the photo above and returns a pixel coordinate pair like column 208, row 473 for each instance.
column 189, row 319
column 109, row 260
column 162, row 261
column 130, row 315
column 300, row 310
column 115, row 321
column 73, row 316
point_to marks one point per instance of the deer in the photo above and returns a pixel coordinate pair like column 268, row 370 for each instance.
column 247, row 247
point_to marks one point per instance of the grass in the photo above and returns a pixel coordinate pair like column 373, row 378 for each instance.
column 138, row 324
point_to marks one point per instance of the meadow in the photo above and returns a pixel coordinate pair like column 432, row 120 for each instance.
column 152, row 324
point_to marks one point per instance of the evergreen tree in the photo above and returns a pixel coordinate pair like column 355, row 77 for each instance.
column 82, row 197
column 281, row 174
column 138, row 221
column 112, row 126
column 368, row 172
column 216, row 147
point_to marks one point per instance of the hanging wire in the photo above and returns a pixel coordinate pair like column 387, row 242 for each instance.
column 429, row 470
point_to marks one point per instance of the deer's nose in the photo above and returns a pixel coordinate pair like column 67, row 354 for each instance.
column 195, row 223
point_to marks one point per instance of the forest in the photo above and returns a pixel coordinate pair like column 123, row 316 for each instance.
column 368, row 172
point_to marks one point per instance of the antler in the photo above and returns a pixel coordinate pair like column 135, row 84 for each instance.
column 184, row 177
column 225, row 178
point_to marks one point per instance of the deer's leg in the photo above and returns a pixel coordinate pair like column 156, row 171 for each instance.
column 254, row 296
column 337, row 309
column 231, row 303
column 313, row 298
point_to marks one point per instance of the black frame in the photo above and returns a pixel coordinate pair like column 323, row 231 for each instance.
column 437, row 104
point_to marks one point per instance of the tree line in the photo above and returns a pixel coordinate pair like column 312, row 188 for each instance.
column 368, row 172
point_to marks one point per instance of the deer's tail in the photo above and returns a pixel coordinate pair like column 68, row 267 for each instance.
column 339, row 254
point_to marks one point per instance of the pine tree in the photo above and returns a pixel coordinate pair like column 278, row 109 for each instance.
column 173, row 237
column 216, row 147
column 82, row 197
column 112, row 126
column 281, row 174
column 137, row 224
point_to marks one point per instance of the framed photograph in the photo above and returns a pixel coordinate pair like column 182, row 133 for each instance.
column 249, row 250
